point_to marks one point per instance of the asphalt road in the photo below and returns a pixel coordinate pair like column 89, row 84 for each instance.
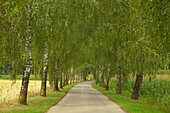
column 83, row 98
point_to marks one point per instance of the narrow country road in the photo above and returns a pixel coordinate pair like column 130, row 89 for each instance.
column 83, row 98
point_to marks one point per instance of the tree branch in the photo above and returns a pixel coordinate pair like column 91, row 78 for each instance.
column 126, row 5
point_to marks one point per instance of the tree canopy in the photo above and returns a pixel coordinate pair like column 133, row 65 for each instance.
column 131, row 36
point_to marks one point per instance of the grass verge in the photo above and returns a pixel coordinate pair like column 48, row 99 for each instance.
column 130, row 105
column 36, row 103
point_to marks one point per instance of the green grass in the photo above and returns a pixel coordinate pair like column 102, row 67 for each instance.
column 129, row 105
column 19, row 77
column 36, row 104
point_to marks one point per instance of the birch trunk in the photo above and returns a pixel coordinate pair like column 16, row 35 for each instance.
column 85, row 77
column 97, row 78
column 73, row 79
column 56, row 77
column 72, row 76
column 100, row 75
column 67, row 79
column 76, row 78
column 102, row 78
column 139, row 78
column 108, row 77
column 27, row 69
column 82, row 77
column 45, row 70
column 137, row 86
column 61, row 80
column 119, row 90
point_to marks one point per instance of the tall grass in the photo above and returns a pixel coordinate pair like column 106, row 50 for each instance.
column 155, row 92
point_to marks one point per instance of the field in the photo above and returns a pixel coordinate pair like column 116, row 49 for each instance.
column 9, row 91
column 155, row 92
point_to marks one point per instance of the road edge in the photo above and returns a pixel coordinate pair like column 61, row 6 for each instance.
column 60, row 99
column 111, row 100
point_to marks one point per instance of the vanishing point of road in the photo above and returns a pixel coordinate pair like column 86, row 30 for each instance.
column 83, row 98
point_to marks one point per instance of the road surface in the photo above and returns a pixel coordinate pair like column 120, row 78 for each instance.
column 83, row 98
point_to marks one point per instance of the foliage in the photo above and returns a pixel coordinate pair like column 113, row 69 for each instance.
column 130, row 35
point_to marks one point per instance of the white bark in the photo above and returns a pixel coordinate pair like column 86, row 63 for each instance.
column 28, row 53
column 56, row 77
column 63, row 78
column 100, row 74
column 45, row 68
column 109, row 66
